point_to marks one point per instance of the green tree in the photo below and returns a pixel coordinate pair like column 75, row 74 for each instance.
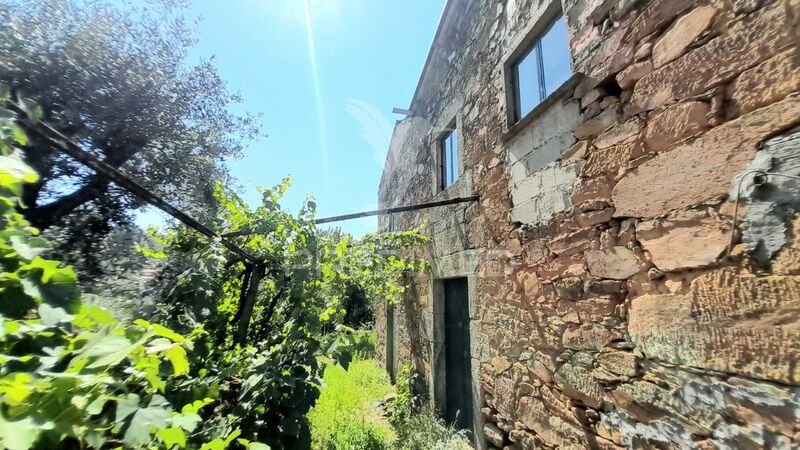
column 207, row 370
column 118, row 82
column 71, row 375
column 265, row 359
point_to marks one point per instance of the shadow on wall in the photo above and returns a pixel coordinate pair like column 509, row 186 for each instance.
column 418, row 343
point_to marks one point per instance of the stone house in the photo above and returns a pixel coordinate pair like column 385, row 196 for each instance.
column 590, row 299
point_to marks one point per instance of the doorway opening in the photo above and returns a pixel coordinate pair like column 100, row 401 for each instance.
column 458, row 407
column 391, row 341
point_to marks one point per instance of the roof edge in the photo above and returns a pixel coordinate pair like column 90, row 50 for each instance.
column 448, row 4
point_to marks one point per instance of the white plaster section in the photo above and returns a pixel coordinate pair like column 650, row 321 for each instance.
column 547, row 137
column 540, row 187
column 770, row 207
column 540, row 196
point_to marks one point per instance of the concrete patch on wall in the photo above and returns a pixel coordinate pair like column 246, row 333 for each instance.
column 540, row 186
column 544, row 193
column 537, row 146
column 770, row 206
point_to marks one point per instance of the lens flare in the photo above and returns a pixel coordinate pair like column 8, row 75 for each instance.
column 323, row 129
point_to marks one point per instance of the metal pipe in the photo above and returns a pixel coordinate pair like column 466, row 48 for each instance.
column 396, row 209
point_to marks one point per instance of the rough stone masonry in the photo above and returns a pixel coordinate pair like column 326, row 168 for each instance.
column 606, row 310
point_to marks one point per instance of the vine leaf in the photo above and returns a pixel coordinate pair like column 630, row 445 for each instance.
column 53, row 316
column 28, row 248
column 177, row 357
column 138, row 432
column 187, row 421
column 18, row 435
column 14, row 173
column 172, row 437
column 126, row 406
column 109, row 350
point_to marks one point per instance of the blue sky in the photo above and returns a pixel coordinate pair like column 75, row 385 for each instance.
column 330, row 130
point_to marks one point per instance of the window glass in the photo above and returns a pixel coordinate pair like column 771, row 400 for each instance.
column 527, row 83
column 542, row 70
column 555, row 56
column 449, row 146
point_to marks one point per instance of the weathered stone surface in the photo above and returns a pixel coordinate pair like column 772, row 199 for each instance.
column 684, row 244
column 550, row 427
column 592, row 96
column 578, row 383
column 572, row 243
column 633, row 73
column 644, row 51
column 569, row 288
column 766, row 83
column 575, row 153
column 619, row 263
column 744, row 45
column 524, row 440
column 745, row 6
column 592, row 191
column 676, row 124
column 701, row 171
column 683, row 32
column 657, row 15
column 724, row 296
column 787, row 261
column 653, row 413
column 609, row 161
column 598, row 124
column 620, row 134
column 608, row 101
column 595, row 217
column 604, row 287
column 505, row 393
column 663, row 327
column 612, row 55
column 587, row 337
column 494, row 435
column 595, row 310
column 617, row 362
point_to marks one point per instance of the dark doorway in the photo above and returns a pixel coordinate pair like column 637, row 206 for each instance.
column 458, row 369
column 390, row 341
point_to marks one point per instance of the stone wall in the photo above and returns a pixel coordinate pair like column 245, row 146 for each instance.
column 606, row 309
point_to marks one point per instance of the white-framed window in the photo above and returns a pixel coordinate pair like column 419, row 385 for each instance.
column 448, row 148
column 541, row 69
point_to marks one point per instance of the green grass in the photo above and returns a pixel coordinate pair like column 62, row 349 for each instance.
column 345, row 416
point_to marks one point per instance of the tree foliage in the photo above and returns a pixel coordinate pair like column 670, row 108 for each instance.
column 74, row 376
column 275, row 379
column 118, row 82
column 71, row 375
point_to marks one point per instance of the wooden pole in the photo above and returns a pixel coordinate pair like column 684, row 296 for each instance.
column 249, row 303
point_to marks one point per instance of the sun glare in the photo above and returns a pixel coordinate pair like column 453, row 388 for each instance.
column 320, row 104
column 293, row 11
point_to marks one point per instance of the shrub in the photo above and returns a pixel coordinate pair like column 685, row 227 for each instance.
column 416, row 423
column 424, row 430
column 72, row 375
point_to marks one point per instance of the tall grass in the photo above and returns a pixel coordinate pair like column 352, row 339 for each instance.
column 345, row 416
